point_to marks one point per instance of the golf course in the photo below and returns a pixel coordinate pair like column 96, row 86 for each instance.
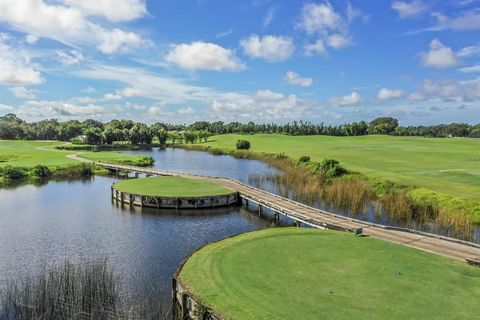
column 26, row 154
column 171, row 186
column 446, row 165
column 286, row 272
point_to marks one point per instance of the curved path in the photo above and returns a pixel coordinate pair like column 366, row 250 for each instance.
column 441, row 245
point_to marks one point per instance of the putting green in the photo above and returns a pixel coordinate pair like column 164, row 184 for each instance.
column 299, row 273
column 171, row 187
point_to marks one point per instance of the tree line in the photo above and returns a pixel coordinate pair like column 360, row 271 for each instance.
column 95, row 132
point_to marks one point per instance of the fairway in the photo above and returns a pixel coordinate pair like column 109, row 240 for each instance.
column 298, row 273
column 20, row 153
column 171, row 186
column 450, row 166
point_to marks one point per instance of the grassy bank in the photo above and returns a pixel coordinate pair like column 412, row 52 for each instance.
column 450, row 166
column 396, row 170
column 29, row 160
column 293, row 273
column 171, row 187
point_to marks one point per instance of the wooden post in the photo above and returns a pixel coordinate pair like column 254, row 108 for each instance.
column 130, row 200
column 141, row 201
column 259, row 209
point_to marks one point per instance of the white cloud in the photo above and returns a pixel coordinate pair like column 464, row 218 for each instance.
column 45, row 109
column 470, row 51
column 113, row 10
column 472, row 69
column 89, row 90
column 315, row 48
column 149, row 85
column 186, row 111
column 69, row 58
column 439, row 56
column 6, row 108
column 348, row 100
column 409, row 9
column 270, row 48
column 269, row 16
column 117, row 40
column 15, row 65
column 203, row 56
column 224, row 34
column 338, row 41
column 468, row 20
column 31, row 39
column 319, row 18
column 386, row 94
column 329, row 26
column 295, row 79
column 440, row 88
column 66, row 24
column 268, row 95
column 236, row 106
column 22, row 92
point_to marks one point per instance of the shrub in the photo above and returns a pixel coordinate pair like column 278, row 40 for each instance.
column 304, row 159
column 329, row 167
column 41, row 171
column 12, row 173
column 77, row 141
column 243, row 145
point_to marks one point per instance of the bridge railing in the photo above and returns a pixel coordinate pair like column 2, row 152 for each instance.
column 320, row 211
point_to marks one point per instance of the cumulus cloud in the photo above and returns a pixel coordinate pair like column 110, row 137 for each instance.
column 22, row 92
column 44, row 109
column 234, row 106
column 315, row 48
column 327, row 25
column 348, row 100
column 203, row 56
column 112, row 10
column 270, row 48
column 15, row 65
column 295, row 79
column 387, row 94
column 409, row 9
column 69, row 58
column 68, row 24
column 268, row 95
column 338, row 41
column 439, row 56
column 446, row 89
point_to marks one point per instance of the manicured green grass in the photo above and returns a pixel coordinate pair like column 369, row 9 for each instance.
column 450, row 166
column 171, row 187
column 286, row 273
column 27, row 154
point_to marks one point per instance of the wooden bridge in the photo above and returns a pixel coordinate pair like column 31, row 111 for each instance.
column 317, row 218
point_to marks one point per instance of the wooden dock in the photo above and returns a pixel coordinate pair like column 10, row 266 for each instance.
column 301, row 213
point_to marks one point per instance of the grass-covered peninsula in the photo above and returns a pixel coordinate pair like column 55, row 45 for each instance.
column 282, row 273
column 40, row 159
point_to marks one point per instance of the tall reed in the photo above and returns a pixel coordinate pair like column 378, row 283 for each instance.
column 74, row 291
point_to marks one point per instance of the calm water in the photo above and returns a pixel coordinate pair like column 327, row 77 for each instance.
column 76, row 220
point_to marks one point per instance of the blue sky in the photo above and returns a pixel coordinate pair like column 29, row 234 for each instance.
column 180, row 61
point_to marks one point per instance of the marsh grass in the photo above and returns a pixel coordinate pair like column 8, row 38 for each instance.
column 89, row 290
